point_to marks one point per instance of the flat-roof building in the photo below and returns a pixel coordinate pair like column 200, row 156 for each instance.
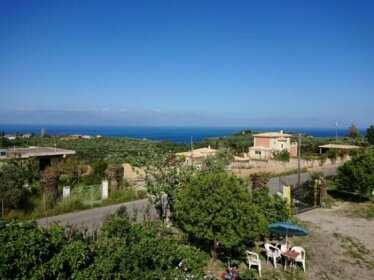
column 45, row 155
column 324, row 148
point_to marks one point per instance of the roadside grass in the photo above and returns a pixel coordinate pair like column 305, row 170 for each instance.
column 289, row 172
column 124, row 195
column 355, row 251
column 80, row 202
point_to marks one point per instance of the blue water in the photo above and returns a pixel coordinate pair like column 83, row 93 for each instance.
column 174, row 134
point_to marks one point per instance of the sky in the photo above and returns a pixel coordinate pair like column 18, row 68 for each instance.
column 187, row 62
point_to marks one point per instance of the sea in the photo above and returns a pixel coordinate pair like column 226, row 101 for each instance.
column 161, row 133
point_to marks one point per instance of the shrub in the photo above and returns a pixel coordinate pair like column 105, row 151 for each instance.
column 282, row 155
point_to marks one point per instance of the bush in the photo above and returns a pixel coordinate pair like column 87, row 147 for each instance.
column 357, row 175
column 122, row 251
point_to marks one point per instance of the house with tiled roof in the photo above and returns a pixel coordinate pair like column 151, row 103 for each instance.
column 265, row 144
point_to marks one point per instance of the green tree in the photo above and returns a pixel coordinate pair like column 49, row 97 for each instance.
column 370, row 134
column 353, row 131
column 216, row 208
column 357, row 175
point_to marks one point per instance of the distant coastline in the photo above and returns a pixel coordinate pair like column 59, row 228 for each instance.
column 161, row 133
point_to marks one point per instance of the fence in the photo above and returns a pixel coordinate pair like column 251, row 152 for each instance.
column 86, row 193
column 302, row 197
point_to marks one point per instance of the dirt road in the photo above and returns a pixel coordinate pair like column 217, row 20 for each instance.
column 338, row 246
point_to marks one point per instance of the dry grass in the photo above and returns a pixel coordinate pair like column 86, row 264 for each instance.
column 338, row 246
column 356, row 251
column 364, row 210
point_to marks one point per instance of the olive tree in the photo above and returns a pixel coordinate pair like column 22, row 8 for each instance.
column 164, row 177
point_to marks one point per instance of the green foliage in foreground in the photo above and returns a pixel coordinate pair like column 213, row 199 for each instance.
column 122, row 251
column 357, row 175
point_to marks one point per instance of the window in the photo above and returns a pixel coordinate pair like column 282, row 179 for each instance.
column 258, row 152
column 282, row 146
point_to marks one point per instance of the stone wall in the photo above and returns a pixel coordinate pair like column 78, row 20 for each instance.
column 292, row 164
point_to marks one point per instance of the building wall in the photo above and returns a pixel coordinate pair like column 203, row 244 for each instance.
column 259, row 154
column 261, row 141
column 293, row 163
column 278, row 145
column 274, row 144
column 293, row 151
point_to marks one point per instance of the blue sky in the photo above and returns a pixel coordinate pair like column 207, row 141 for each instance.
column 253, row 63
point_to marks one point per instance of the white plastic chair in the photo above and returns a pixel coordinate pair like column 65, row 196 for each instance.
column 300, row 258
column 282, row 245
column 253, row 259
column 272, row 252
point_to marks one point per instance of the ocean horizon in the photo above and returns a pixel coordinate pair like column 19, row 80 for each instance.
column 161, row 133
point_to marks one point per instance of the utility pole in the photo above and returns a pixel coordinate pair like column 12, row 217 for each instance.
column 55, row 144
column 298, row 161
column 45, row 210
column 191, row 143
column 92, row 215
column 336, row 131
